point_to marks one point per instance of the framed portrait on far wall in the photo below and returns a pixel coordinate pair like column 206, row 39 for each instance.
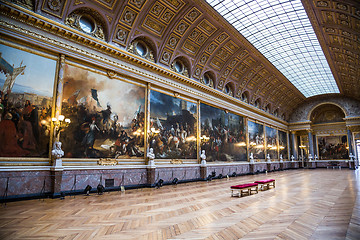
column 333, row 147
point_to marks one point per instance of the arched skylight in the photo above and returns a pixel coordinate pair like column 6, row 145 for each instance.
column 282, row 32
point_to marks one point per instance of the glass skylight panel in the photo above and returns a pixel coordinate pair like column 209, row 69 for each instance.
column 282, row 32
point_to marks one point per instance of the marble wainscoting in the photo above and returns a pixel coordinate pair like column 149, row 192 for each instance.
column 167, row 174
column 259, row 167
column 25, row 183
column 326, row 163
column 286, row 165
column 228, row 169
column 79, row 179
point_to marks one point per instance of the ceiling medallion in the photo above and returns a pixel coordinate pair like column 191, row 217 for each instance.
column 54, row 5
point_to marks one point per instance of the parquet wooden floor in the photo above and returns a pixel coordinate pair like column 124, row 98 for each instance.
column 306, row 204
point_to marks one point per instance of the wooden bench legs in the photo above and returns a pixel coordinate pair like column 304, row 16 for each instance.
column 265, row 186
column 241, row 192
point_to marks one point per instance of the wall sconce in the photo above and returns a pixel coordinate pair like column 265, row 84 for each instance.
column 60, row 123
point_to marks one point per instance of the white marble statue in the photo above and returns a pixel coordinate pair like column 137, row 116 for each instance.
column 268, row 158
column 292, row 158
column 151, row 156
column 251, row 157
column 315, row 157
column 203, row 158
column 351, row 156
column 281, row 158
column 57, row 152
column 310, row 157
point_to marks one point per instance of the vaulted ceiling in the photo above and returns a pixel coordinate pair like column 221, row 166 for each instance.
column 337, row 24
column 191, row 29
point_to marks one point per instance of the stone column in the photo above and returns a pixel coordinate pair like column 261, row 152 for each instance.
column 311, row 143
column 349, row 139
column 293, row 142
column 351, row 149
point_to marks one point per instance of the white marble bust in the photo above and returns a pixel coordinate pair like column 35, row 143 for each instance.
column 57, row 152
column 151, row 156
column 203, row 157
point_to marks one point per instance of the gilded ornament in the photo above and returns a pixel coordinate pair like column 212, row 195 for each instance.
column 201, row 39
column 99, row 33
column 197, row 72
column 322, row 4
column 54, row 5
column 193, row 14
column 157, row 9
column 211, row 48
column 176, row 161
column 137, row 3
column 166, row 57
column 167, row 16
column 107, row 162
column 172, row 42
column 222, row 37
column 129, row 17
column 203, row 59
column 194, row 34
column 182, row 28
column 233, row 63
column 341, row 6
column 121, row 35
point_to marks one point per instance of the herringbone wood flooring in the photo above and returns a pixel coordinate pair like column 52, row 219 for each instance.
column 306, row 204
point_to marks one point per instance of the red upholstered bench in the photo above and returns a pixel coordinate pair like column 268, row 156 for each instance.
column 266, row 183
column 244, row 188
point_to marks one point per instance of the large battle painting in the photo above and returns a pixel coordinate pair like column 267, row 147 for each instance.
column 223, row 135
column 283, row 145
column 172, row 127
column 333, row 147
column 256, row 140
column 271, row 142
column 107, row 116
column 26, row 93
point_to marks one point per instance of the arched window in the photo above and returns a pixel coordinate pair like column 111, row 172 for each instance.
column 257, row 103
column 267, row 108
column 142, row 48
column 208, row 79
column 245, row 97
column 276, row 113
column 179, row 65
column 228, row 89
column 87, row 21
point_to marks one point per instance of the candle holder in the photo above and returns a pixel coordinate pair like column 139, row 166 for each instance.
column 59, row 124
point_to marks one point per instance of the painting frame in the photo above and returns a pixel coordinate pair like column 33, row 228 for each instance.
column 33, row 94
column 114, row 134
column 333, row 147
column 223, row 134
column 173, row 126
column 256, row 135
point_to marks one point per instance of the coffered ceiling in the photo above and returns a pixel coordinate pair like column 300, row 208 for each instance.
column 337, row 24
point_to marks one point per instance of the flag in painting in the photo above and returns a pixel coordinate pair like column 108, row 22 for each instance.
column 95, row 96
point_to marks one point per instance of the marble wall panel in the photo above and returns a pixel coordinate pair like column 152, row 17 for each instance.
column 182, row 173
column 122, row 177
column 25, row 183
